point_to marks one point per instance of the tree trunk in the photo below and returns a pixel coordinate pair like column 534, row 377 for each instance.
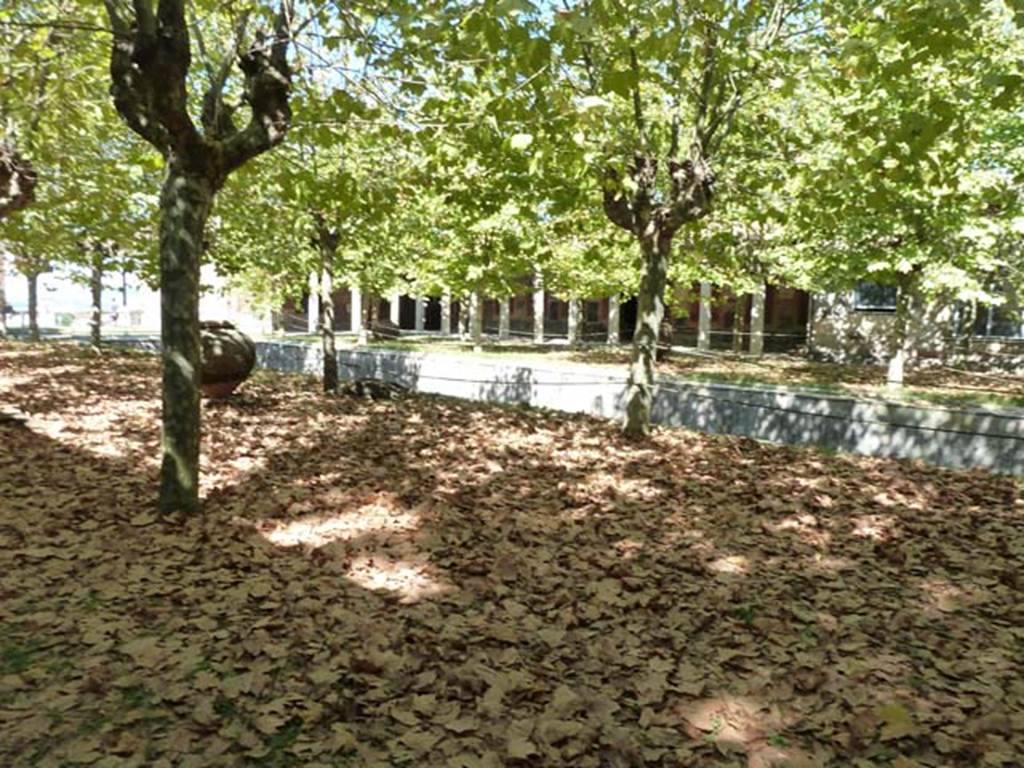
column 575, row 328
column 185, row 203
column 33, row 306
column 966, row 330
column 96, row 291
column 655, row 249
column 666, row 335
column 757, row 300
column 17, row 178
column 372, row 310
column 446, row 313
column 613, row 319
column 898, row 344
column 737, row 324
column 327, row 344
column 476, row 320
column 704, row 317
column 504, row 319
column 465, row 308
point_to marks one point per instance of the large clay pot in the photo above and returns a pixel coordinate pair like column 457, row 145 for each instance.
column 228, row 357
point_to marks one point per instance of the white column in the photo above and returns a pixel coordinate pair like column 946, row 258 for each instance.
column 575, row 321
column 396, row 307
column 757, row 321
column 504, row 319
column 446, row 313
column 704, row 318
column 538, row 310
column 421, row 306
column 313, row 307
column 613, row 320
column 355, row 310
column 476, row 318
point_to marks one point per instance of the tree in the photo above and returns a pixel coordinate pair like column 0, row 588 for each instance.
column 646, row 94
column 911, row 182
column 105, row 208
column 685, row 70
column 152, row 78
column 31, row 260
column 337, row 207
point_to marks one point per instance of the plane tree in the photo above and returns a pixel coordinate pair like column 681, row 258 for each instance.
column 662, row 87
column 912, row 183
column 336, row 210
column 636, row 102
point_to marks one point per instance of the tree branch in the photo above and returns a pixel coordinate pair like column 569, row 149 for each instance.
column 216, row 120
column 615, row 206
column 638, row 106
column 17, row 182
column 693, row 186
column 707, row 81
column 267, row 88
column 149, row 63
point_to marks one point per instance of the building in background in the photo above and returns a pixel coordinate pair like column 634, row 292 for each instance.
column 775, row 321
column 857, row 326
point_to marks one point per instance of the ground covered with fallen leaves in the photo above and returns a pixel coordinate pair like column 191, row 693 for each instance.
column 425, row 582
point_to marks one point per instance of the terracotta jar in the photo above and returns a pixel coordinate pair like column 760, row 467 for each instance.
column 228, row 357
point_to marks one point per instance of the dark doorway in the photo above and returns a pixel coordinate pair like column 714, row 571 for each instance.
column 432, row 315
column 627, row 320
column 407, row 313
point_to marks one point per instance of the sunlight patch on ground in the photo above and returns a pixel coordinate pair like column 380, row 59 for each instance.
column 732, row 564
column 732, row 721
column 874, row 527
column 99, row 433
column 745, row 725
column 11, row 382
column 375, row 541
column 614, row 486
column 519, row 440
column 628, row 548
column 319, row 530
column 410, row 580
column 805, row 525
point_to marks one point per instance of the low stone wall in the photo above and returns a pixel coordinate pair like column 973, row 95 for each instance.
column 952, row 437
column 944, row 436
